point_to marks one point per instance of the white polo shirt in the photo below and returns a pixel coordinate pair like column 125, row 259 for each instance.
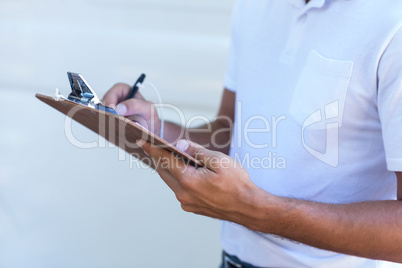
column 318, row 112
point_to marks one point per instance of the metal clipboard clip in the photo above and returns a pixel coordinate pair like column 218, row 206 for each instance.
column 82, row 93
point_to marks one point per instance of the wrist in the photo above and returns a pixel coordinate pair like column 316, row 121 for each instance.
column 269, row 212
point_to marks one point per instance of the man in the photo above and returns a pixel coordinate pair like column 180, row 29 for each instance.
column 315, row 93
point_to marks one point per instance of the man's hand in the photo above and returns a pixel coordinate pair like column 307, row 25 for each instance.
column 221, row 189
column 144, row 112
column 137, row 109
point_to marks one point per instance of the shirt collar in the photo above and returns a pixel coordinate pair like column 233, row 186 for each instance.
column 312, row 4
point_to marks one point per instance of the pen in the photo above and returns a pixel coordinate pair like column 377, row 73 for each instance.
column 134, row 90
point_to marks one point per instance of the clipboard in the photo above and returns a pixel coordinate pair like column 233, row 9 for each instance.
column 116, row 129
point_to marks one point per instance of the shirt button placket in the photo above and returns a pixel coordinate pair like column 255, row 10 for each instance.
column 295, row 38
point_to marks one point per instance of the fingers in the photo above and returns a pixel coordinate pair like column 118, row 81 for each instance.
column 117, row 94
column 211, row 159
column 140, row 120
column 169, row 179
column 200, row 191
column 135, row 106
column 164, row 159
column 160, row 159
column 169, row 167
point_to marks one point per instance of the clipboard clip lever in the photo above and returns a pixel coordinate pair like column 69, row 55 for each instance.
column 82, row 93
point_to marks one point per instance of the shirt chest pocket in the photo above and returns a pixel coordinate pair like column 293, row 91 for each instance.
column 320, row 92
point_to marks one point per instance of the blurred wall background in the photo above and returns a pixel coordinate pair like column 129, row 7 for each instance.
column 64, row 206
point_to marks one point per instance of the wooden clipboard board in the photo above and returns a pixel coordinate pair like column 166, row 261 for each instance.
column 118, row 130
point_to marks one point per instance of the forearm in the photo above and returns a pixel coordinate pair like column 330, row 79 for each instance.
column 214, row 136
column 367, row 229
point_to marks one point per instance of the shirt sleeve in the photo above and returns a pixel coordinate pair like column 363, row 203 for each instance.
column 390, row 100
column 230, row 79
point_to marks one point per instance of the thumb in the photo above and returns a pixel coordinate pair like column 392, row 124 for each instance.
column 205, row 156
column 134, row 106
